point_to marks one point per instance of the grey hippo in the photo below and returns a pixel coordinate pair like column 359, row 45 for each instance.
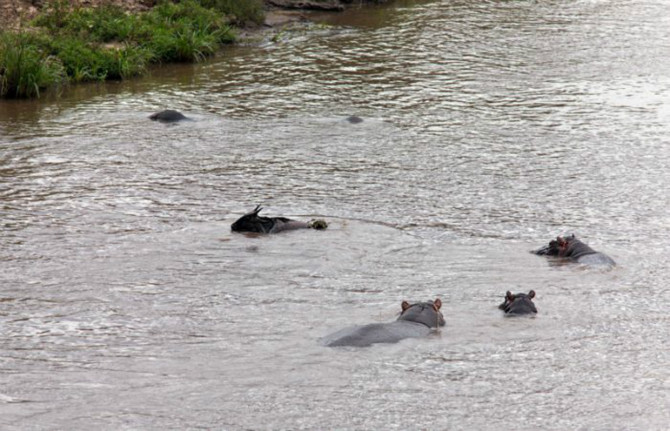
column 354, row 119
column 415, row 320
column 518, row 304
column 571, row 248
column 252, row 222
column 168, row 116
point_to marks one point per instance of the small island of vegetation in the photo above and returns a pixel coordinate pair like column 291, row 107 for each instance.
column 62, row 42
column 66, row 43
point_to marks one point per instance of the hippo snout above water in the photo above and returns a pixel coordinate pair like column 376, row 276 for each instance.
column 415, row 320
column 518, row 304
column 168, row 116
column 252, row 222
column 569, row 247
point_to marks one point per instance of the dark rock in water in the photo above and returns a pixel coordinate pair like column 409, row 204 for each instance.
column 168, row 116
column 354, row 119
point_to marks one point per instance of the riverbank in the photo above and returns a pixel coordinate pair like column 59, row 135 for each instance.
column 51, row 45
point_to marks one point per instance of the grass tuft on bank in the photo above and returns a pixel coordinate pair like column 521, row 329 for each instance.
column 25, row 68
column 72, row 44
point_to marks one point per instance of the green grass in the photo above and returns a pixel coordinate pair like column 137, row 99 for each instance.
column 85, row 62
column 240, row 11
column 74, row 44
column 25, row 69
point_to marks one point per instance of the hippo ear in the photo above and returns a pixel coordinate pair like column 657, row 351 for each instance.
column 405, row 305
column 531, row 294
column 437, row 304
column 509, row 296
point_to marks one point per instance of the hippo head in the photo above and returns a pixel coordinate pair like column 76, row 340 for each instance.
column 252, row 222
column 427, row 313
column 519, row 303
column 557, row 247
column 565, row 244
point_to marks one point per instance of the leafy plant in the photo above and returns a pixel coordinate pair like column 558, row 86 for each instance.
column 87, row 44
column 24, row 68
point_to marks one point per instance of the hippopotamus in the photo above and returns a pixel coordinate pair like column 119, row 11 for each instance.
column 573, row 249
column 353, row 119
column 518, row 304
column 252, row 222
column 168, row 116
column 415, row 320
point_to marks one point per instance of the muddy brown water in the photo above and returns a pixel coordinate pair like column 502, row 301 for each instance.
column 490, row 127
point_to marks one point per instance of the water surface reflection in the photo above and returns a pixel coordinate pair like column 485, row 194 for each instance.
column 488, row 129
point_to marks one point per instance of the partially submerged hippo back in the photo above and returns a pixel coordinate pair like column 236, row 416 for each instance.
column 518, row 304
column 252, row 222
column 168, row 116
column 571, row 248
column 415, row 320
column 354, row 119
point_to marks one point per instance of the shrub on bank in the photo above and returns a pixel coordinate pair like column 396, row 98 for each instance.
column 88, row 44
column 25, row 69
column 86, row 62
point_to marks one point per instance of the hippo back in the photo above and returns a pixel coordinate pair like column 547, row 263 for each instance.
column 582, row 253
column 374, row 333
column 570, row 247
column 576, row 249
column 416, row 320
column 596, row 259
column 168, row 116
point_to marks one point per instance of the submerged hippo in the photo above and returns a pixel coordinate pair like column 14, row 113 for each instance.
column 353, row 119
column 168, row 116
column 518, row 304
column 252, row 222
column 415, row 320
column 571, row 248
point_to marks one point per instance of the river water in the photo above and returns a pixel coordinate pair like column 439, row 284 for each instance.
column 490, row 128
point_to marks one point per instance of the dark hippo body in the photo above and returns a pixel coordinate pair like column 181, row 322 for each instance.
column 353, row 119
column 571, row 248
column 415, row 320
column 518, row 304
column 168, row 116
column 252, row 222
